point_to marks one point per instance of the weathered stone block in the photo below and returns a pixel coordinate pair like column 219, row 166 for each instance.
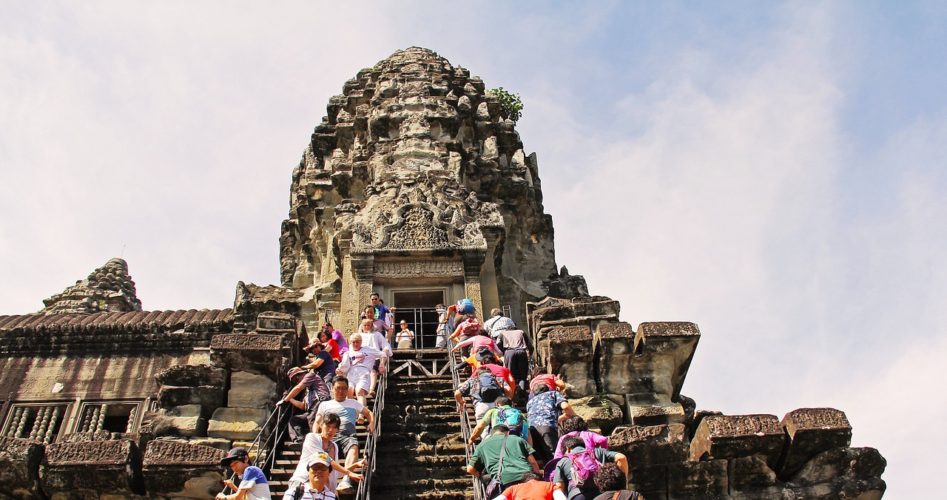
column 176, row 470
column 838, row 464
column 650, row 481
column 571, row 350
column 185, row 420
column 237, row 423
column 268, row 322
column 251, row 352
column 249, row 390
column 93, row 469
column 19, row 467
column 599, row 412
column 650, row 446
column 664, row 351
column 735, row 436
column 703, row 480
column 209, row 397
column 192, row 376
column 221, row 444
column 751, row 473
column 617, row 346
column 655, row 414
column 812, row 431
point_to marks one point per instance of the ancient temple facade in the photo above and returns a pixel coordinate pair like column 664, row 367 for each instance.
column 415, row 186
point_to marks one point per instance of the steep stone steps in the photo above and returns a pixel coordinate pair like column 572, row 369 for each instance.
column 420, row 454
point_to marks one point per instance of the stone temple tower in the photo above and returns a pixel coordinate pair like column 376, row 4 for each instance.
column 415, row 185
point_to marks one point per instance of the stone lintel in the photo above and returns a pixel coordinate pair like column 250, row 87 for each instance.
column 650, row 445
column 92, row 468
column 170, row 453
column 251, row 352
column 812, row 431
column 275, row 322
column 246, row 342
column 182, row 470
column 735, row 436
column 672, row 413
column 89, row 453
column 237, row 423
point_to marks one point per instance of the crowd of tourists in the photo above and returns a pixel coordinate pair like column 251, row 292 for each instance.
column 529, row 443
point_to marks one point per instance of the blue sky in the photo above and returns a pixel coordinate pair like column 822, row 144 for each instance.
column 773, row 172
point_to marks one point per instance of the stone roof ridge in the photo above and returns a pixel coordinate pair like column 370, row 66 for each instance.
column 109, row 288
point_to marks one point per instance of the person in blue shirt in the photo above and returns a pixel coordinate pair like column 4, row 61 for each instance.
column 253, row 484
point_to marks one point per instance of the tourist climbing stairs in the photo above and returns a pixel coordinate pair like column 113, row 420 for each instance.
column 288, row 453
column 422, row 453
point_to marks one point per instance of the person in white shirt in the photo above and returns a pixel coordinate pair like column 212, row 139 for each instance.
column 324, row 443
column 405, row 337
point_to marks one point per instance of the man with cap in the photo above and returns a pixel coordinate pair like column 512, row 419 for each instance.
column 316, row 392
column 317, row 487
column 253, row 483
column 323, row 442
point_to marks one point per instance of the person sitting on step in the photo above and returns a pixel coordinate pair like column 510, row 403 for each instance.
column 321, row 443
column 348, row 411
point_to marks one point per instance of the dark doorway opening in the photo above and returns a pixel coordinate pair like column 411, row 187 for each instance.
column 417, row 308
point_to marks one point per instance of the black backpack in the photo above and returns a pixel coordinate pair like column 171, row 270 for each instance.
column 489, row 387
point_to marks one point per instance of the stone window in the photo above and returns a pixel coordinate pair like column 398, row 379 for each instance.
column 36, row 422
column 113, row 416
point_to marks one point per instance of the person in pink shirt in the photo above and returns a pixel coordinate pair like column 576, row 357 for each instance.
column 480, row 343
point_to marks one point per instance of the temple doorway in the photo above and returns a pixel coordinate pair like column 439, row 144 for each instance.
column 417, row 308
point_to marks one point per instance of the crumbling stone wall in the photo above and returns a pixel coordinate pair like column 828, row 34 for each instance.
column 628, row 385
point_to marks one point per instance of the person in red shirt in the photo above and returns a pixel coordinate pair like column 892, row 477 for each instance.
column 531, row 489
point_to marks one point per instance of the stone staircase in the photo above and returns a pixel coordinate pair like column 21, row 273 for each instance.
column 288, row 457
column 421, row 454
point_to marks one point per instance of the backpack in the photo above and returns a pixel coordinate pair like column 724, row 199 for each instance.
column 510, row 417
column 584, row 464
column 489, row 387
column 465, row 306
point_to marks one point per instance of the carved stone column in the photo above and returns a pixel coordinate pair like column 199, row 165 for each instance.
column 473, row 262
column 488, row 273
column 363, row 269
column 348, row 315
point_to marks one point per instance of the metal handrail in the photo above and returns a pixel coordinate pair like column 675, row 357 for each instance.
column 364, row 491
column 478, row 491
column 277, row 428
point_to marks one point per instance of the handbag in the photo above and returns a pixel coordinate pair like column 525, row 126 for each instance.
column 495, row 487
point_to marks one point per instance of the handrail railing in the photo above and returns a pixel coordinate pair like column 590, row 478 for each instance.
column 274, row 427
column 364, row 491
column 478, row 492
